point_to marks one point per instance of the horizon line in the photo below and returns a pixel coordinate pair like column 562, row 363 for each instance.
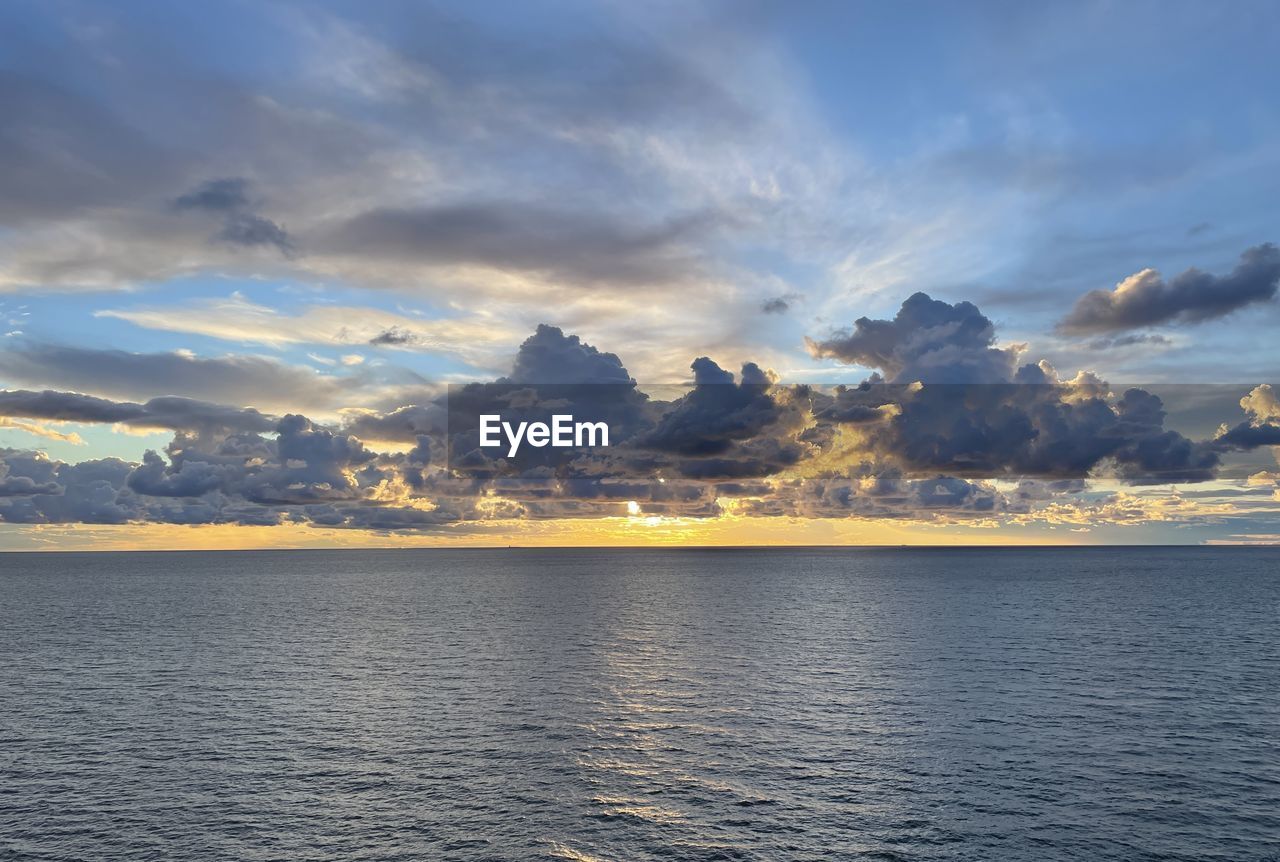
column 819, row 547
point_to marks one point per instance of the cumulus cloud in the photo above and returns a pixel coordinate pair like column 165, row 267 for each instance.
column 926, row 340
column 1054, row 431
column 1261, row 404
column 1147, row 299
column 550, row 356
column 919, row 448
column 23, row 486
column 409, row 423
column 88, row 492
column 1261, row 426
column 717, row 412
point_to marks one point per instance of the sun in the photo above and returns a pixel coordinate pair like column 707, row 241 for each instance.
column 633, row 508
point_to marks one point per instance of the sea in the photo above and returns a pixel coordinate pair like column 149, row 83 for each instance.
column 625, row 704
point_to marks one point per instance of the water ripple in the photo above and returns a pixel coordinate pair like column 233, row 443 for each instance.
column 625, row 706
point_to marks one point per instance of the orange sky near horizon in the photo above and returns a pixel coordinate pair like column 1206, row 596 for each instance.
column 640, row 531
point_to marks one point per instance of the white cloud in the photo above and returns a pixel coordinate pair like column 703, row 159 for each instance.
column 476, row 339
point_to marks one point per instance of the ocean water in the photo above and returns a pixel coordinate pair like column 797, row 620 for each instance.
column 1108, row 704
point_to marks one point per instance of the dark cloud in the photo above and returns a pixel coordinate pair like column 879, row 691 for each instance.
column 1148, row 453
column 64, row 154
column 1146, row 299
column 779, row 304
column 311, row 464
column 304, row 474
column 576, row 246
column 927, row 340
column 1260, row 428
column 231, row 478
column 23, row 486
column 382, row 144
column 66, row 407
column 1250, row 436
column 978, row 415
column 715, row 432
column 1044, row 431
column 405, row 424
column 228, row 197
column 170, row 412
column 248, row 380
column 857, row 405
column 88, row 492
column 550, row 356
column 393, row 337
column 930, row 450
column 249, row 229
column 191, row 479
column 1129, row 340
column 717, row 412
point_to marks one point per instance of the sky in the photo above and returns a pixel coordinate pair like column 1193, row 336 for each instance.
column 859, row 273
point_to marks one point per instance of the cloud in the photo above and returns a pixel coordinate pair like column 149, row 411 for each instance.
column 298, row 473
column 980, row 452
column 476, row 339
column 172, row 412
column 927, row 340
column 1046, row 430
column 779, row 304
column 1131, row 340
column 229, row 198
column 1261, row 404
column 57, row 492
column 1146, row 299
column 66, row 154
column 395, row 336
column 550, row 356
column 23, row 486
column 250, row 229
column 423, row 152
column 574, row 247
column 247, row 380
column 1248, row 436
column 1261, row 426
column 717, row 412
column 227, row 195
column 406, row 424
column 979, row 415
column 40, row 429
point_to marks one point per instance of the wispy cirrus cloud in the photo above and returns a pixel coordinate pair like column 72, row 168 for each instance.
column 41, row 429
column 476, row 338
